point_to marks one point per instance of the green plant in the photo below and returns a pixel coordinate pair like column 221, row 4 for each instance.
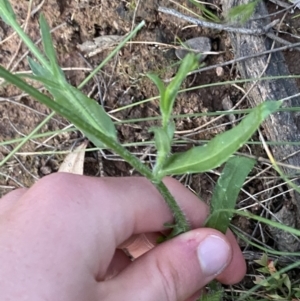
column 242, row 13
column 278, row 286
column 93, row 121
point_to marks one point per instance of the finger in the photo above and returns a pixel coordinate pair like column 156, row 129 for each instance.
column 133, row 204
column 119, row 262
column 106, row 210
column 174, row 270
column 236, row 270
column 9, row 200
column 140, row 244
column 103, row 212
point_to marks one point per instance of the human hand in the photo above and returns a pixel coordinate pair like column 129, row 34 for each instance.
column 59, row 240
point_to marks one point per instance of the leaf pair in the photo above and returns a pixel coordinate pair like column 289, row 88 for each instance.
column 169, row 93
column 164, row 135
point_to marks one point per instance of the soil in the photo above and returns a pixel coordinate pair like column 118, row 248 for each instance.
column 122, row 82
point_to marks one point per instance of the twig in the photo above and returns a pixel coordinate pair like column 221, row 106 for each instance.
column 280, row 40
column 212, row 25
column 259, row 31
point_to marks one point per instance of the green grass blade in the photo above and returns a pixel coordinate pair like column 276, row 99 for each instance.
column 28, row 137
column 226, row 191
column 7, row 14
column 219, row 149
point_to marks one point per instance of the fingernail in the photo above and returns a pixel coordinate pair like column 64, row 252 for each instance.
column 213, row 254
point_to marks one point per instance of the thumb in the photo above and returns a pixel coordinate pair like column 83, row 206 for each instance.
column 172, row 271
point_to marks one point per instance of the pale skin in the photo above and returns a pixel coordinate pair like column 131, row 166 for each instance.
column 59, row 240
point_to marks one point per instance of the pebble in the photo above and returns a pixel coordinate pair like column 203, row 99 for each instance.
column 200, row 44
column 219, row 71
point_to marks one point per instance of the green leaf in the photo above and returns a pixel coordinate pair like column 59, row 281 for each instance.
column 97, row 137
column 263, row 261
column 226, row 191
column 242, row 13
column 214, row 292
column 189, row 63
column 7, row 14
column 219, row 149
column 159, row 84
column 49, row 49
column 88, row 109
column 163, row 142
column 72, row 98
column 38, row 69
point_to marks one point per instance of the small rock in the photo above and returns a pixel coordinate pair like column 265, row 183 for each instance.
column 198, row 45
column 227, row 105
column 219, row 71
column 45, row 170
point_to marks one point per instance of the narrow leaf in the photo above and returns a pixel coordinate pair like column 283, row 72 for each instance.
column 159, row 84
column 49, row 49
column 226, row 191
column 206, row 12
column 189, row 63
column 92, row 133
column 6, row 12
column 70, row 97
column 38, row 69
column 162, row 141
column 219, row 149
column 92, row 112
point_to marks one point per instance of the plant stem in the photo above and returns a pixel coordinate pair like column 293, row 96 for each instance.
column 179, row 216
column 169, row 199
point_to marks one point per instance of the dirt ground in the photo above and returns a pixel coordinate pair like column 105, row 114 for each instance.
column 122, row 82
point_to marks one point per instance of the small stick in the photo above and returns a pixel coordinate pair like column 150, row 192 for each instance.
column 241, row 30
column 212, row 25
